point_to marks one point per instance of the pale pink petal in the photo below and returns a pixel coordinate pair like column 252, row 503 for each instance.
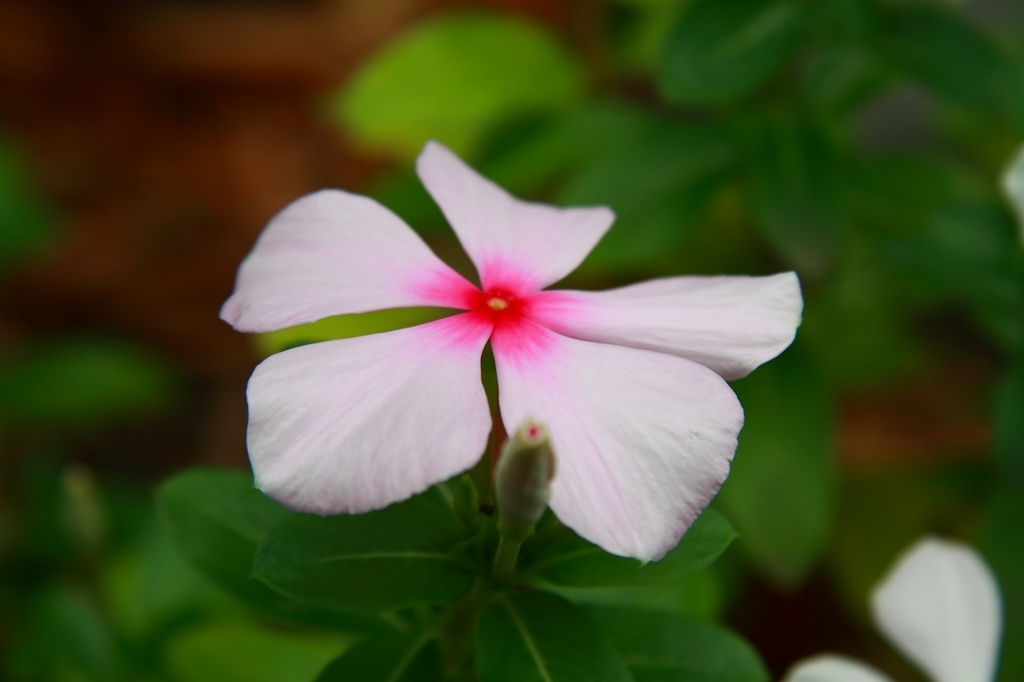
column 332, row 253
column 643, row 440
column 516, row 245
column 730, row 324
column 831, row 668
column 940, row 606
column 356, row 424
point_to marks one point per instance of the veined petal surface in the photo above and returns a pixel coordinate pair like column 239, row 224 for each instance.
column 643, row 440
column 831, row 668
column 940, row 606
column 332, row 253
column 730, row 324
column 356, row 424
column 516, row 245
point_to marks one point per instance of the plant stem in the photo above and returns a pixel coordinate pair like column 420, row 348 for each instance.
column 505, row 560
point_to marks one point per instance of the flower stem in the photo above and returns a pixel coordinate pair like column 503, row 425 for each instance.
column 505, row 560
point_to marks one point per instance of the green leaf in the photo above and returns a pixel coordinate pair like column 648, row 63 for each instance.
column 558, row 556
column 149, row 587
column 380, row 561
column 216, row 520
column 538, row 637
column 1008, row 424
column 454, row 77
column 941, row 49
column 76, row 382
column 781, row 491
column 1003, row 546
column 722, row 51
column 242, row 652
column 660, row 647
column 389, row 658
column 698, row 595
column 26, row 223
column 796, row 191
column 346, row 327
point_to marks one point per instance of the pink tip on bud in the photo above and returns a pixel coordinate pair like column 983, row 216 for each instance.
column 522, row 480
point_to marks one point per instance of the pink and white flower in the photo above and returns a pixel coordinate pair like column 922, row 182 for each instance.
column 631, row 381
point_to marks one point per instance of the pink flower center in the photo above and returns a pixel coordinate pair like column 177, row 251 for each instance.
column 498, row 306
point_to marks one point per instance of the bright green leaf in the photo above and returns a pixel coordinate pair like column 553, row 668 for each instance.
column 241, row 652
column 558, row 556
column 660, row 647
column 454, row 77
column 346, row 327
column 82, row 381
column 781, row 491
column 538, row 637
column 388, row 658
column 723, row 51
column 380, row 561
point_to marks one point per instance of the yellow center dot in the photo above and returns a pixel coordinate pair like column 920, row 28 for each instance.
column 497, row 303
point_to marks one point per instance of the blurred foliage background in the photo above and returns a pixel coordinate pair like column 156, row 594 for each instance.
column 143, row 145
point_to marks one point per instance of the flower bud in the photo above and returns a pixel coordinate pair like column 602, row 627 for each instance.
column 522, row 480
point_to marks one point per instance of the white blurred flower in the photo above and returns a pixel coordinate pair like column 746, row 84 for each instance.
column 1013, row 187
column 940, row 606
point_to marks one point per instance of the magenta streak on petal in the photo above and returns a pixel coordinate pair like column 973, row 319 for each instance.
column 460, row 333
column 523, row 343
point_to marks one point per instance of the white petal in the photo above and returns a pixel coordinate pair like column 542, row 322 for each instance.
column 730, row 324
column 643, row 440
column 831, row 668
column 332, row 253
column 940, row 606
column 356, row 424
column 1013, row 186
column 516, row 245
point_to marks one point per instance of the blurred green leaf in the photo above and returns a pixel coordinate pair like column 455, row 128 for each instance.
column 388, row 658
column 26, row 222
column 723, row 51
column 840, row 77
column 69, row 639
column 939, row 47
column 148, row 587
column 1008, row 423
column 379, row 561
column 781, row 491
column 538, row 637
column 216, row 520
column 558, row 556
column 346, row 327
column 1003, row 546
column 452, row 78
column 242, row 652
column 796, row 190
column 660, row 647
column 82, row 382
